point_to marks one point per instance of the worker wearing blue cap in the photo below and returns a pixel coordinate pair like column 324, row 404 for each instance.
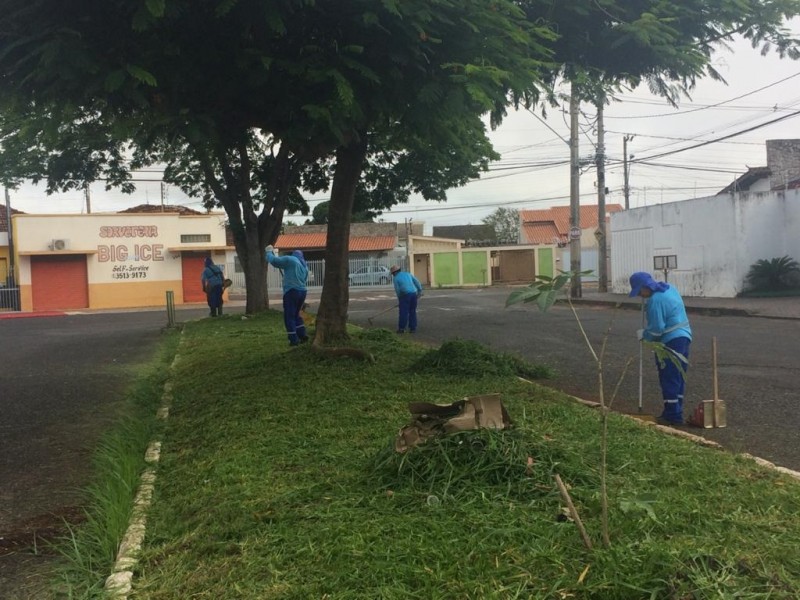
column 666, row 323
column 295, row 275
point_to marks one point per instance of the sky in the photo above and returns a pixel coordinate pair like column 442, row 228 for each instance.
column 533, row 172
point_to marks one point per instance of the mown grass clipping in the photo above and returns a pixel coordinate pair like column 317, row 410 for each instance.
column 278, row 481
column 466, row 358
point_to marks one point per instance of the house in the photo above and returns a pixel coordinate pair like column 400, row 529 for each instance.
column 551, row 225
column 367, row 240
column 705, row 246
column 128, row 259
column 6, row 261
column 781, row 173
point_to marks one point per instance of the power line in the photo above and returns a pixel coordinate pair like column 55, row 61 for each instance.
column 707, row 142
column 693, row 110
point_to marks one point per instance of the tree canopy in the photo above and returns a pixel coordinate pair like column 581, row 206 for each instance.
column 246, row 101
column 249, row 102
column 505, row 222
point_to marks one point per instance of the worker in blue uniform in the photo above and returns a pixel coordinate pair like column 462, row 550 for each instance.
column 666, row 323
column 212, row 280
column 408, row 290
column 295, row 276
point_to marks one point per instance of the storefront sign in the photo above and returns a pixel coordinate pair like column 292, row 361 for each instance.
column 129, row 253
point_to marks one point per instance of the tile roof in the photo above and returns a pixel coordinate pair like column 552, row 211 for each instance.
column 3, row 220
column 317, row 241
column 158, row 208
column 541, row 233
column 557, row 221
column 743, row 182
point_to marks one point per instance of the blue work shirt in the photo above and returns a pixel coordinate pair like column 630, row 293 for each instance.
column 211, row 277
column 406, row 283
column 666, row 317
column 295, row 273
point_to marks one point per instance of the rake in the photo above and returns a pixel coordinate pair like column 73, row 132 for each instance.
column 380, row 313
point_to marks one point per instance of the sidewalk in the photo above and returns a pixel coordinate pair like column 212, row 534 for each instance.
column 772, row 308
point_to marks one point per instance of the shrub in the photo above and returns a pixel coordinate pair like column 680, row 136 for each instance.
column 772, row 275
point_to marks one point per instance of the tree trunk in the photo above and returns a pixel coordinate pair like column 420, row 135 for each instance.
column 252, row 232
column 332, row 314
column 254, row 264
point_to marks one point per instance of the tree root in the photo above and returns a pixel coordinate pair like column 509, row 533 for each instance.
column 345, row 352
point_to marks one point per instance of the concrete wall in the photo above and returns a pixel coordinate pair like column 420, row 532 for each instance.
column 783, row 159
column 715, row 239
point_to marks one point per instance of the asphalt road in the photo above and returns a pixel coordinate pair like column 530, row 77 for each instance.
column 61, row 384
column 758, row 366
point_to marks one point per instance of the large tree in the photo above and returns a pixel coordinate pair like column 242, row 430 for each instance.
column 242, row 100
column 605, row 46
column 505, row 222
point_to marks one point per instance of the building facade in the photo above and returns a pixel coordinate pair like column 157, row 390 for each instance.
column 712, row 241
column 114, row 260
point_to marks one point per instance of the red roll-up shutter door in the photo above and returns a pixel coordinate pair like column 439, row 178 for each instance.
column 59, row 282
column 192, row 265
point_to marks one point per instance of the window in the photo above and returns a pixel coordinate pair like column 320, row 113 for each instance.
column 195, row 238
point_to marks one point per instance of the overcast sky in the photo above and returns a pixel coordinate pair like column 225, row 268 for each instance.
column 534, row 169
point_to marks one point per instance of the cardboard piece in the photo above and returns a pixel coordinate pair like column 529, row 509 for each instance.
column 432, row 420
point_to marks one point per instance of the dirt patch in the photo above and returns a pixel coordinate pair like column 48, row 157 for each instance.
column 27, row 555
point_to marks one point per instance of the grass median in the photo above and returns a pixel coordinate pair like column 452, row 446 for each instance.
column 278, row 479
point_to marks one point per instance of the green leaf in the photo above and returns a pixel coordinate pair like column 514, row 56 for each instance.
column 527, row 294
column 547, row 299
column 156, row 7
column 114, row 80
column 640, row 504
column 142, row 75
column 224, row 7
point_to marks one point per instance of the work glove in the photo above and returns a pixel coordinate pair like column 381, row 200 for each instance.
column 640, row 334
column 270, row 248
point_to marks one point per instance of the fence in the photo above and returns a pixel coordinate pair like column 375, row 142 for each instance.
column 362, row 273
column 9, row 294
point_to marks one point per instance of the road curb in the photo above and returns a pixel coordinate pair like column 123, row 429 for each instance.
column 709, row 311
column 119, row 584
column 697, row 439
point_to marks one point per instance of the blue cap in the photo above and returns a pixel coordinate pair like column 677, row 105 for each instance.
column 639, row 280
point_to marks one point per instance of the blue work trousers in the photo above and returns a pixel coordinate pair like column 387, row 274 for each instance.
column 293, row 301
column 408, row 312
column 672, row 380
column 214, row 299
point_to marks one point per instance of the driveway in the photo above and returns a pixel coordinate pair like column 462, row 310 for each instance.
column 757, row 358
column 62, row 382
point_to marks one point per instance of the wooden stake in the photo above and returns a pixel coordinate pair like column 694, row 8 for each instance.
column 573, row 512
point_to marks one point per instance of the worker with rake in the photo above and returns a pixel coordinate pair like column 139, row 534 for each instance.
column 295, row 275
column 666, row 323
column 408, row 290
column 212, row 280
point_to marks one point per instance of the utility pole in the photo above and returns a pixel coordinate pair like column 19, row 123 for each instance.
column 600, row 160
column 163, row 195
column 625, row 169
column 11, row 275
column 574, row 194
column 88, row 199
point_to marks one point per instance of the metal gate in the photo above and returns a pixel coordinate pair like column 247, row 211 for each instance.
column 9, row 295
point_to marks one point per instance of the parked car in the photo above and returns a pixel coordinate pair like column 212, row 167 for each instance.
column 370, row 276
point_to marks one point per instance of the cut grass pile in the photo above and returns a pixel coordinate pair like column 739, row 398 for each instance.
column 466, row 358
column 277, row 480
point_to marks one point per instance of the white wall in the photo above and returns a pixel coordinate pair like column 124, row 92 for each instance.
column 715, row 239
